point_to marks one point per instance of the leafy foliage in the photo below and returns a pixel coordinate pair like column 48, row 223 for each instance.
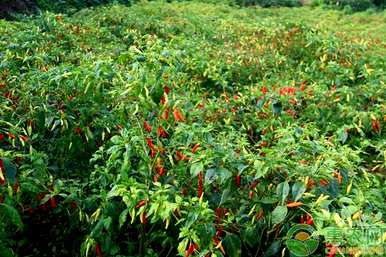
column 197, row 129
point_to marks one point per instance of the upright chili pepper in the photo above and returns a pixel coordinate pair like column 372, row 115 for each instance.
column 192, row 247
column 238, row 180
column 264, row 90
column 219, row 213
column 53, row 202
column 98, row 250
column 166, row 90
column 1, row 137
column 165, row 114
column 178, row 115
column 200, row 184
column 310, row 220
column 163, row 100
column 376, row 125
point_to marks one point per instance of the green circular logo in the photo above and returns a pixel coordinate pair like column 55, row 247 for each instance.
column 300, row 240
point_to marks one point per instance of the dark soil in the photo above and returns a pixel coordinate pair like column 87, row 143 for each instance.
column 8, row 7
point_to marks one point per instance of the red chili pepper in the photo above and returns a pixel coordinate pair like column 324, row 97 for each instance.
column 98, row 250
column 78, row 130
column 147, row 126
column 302, row 219
column 254, row 184
column 376, row 125
column 264, row 90
column 263, row 144
column 219, row 232
column 144, row 220
column 40, row 196
column 251, row 193
column 331, row 250
column 200, row 106
column 119, row 126
column 30, row 211
column 163, row 100
column 180, row 156
column 219, row 213
column 24, row 138
column 1, row 137
column 140, row 204
column 184, row 191
column 155, row 178
column 192, row 247
column 323, row 182
column 161, row 170
column 161, row 132
column 200, row 184
column 150, row 143
column 11, row 136
column 43, row 207
column 310, row 184
column 53, row 202
column 74, row 205
column 165, row 114
column 178, row 115
column 8, row 95
column 166, row 90
column 310, row 220
column 260, row 214
column 238, row 180
column 195, row 148
column 303, row 85
column 153, row 153
column 16, row 187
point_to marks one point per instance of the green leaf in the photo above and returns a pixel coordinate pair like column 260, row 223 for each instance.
column 11, row 215
column 343, row 135
column 250, row 235
column 6, row 251
column 276, row 107
column 225, row 196
column 123, row 217
column 232, row 245
column 196, row 168
column 282, row 190
column 223, row 174
column 298, row 189
column 279, row 214
column 260, row 169
column 210, row 176
column 10, row 170
column 273, row 249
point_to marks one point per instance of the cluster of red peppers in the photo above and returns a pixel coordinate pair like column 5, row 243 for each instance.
column 307, row 220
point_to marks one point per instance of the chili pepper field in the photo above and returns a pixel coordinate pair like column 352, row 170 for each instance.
column 193, row 129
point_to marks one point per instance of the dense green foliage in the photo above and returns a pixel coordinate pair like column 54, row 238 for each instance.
column 189, row 128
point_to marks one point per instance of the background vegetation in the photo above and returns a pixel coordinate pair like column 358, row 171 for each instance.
column 190, row 128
